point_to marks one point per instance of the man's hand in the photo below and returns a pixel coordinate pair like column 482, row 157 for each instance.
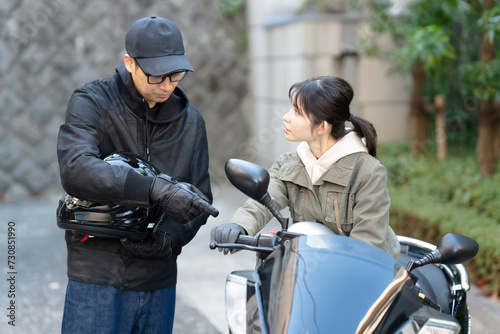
column 226, row 234
column 156, row 246
column 181, row 201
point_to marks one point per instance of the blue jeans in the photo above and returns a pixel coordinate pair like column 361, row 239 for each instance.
column 91, row 308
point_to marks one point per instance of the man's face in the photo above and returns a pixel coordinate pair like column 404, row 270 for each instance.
column 153, row 93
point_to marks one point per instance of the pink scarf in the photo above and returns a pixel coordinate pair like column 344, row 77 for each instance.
column 349, row 144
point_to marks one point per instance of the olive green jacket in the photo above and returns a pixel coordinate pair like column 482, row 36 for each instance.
column 351, row 198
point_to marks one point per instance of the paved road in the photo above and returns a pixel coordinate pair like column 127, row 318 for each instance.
column 40, row 278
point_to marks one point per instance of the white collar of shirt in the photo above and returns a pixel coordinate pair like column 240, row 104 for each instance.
column 349, row 144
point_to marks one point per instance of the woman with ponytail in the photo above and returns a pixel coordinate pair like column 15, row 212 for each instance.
column 333, row 178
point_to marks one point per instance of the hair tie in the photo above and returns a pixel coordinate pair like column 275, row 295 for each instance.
column 350, row 118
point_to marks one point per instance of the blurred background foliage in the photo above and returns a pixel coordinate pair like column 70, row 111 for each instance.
column 229, row 8
column 450, row 48
column 431, row 198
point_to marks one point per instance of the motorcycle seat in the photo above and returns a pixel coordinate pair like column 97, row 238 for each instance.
column 432, row 281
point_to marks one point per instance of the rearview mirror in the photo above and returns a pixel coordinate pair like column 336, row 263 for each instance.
column 249, row 178
column 253, row 180
column 456, row 248
column 451, row 249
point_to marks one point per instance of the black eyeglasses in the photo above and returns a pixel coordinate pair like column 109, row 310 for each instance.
column 158, row 79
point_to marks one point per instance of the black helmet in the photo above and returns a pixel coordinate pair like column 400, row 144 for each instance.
column 110, row 220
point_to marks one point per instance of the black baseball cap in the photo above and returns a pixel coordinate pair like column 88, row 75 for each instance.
column 156, row 43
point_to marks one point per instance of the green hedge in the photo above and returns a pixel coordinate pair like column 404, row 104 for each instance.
column 431, row 198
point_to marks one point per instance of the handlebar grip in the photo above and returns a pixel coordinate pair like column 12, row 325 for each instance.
column 247, row 240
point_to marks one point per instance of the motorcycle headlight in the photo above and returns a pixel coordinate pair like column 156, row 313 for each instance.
column 430, row 326
column 427, row 320
column 433, row 326
column 236, row 297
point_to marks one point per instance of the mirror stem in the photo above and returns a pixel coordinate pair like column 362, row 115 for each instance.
column 268, row 202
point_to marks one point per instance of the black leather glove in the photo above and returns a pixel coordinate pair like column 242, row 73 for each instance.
column 226, row 234
column 157, row 246
column 181, row 201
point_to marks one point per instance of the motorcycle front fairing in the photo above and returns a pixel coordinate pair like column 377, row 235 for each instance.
column 316, row 283
column 325, row 284
column 337, row 280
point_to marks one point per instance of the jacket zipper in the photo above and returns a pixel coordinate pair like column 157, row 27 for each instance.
column 146, row 132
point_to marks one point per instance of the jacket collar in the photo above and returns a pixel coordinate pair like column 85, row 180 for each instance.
column 293, row 170
column 340, row 172
column 350, row 143
column 163, row 113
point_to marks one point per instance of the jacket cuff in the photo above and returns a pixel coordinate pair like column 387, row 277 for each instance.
column 137, row 188
column 176, row 232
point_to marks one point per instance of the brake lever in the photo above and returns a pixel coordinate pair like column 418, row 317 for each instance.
column 214, row 245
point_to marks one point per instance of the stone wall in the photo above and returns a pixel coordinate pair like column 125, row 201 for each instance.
column 51, row 47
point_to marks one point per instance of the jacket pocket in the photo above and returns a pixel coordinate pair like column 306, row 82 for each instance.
column 302, row 204
column 332, row 218
column 294, row 202
column 338, row 212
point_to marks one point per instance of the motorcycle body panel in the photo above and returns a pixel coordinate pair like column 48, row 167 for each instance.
column 329, row 283
column 336, row 282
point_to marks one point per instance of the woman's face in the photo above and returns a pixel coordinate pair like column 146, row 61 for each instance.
column 298, row 126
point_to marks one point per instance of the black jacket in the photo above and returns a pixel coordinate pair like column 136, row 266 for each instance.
column 110, row 115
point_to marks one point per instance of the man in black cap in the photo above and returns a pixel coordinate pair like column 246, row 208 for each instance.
column 122, row 285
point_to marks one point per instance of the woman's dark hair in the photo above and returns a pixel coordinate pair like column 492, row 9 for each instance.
column 327, row 98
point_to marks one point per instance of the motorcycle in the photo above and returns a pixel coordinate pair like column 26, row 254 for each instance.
column 309, row 280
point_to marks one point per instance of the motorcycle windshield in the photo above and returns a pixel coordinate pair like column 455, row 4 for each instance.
column 337, row 280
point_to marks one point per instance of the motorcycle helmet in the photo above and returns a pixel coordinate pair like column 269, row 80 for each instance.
column 110, row 220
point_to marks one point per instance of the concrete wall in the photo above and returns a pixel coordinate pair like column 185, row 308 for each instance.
column 286, row 47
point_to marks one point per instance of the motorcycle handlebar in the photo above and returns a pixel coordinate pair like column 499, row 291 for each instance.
column 257, row 243
column 247, row 240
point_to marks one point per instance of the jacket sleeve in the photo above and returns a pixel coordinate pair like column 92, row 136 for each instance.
column 83, row 174
column 371, row 212
column 253, row 216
